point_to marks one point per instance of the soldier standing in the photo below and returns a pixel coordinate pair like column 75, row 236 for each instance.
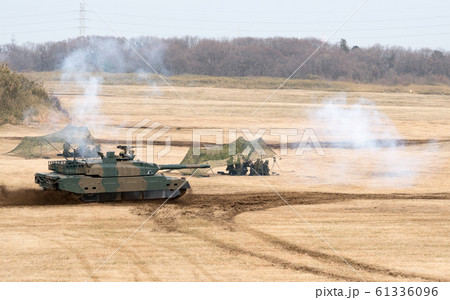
column 258, row 166
column 238, row 166
column 230, row 166
column 76, row 152
column 265, row 168
column 245, row 168
column 252, row 169
column 66, row 149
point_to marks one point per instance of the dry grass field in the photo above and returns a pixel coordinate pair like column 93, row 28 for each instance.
column 387, row 225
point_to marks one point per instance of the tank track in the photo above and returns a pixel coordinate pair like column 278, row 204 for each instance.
column 144, row 195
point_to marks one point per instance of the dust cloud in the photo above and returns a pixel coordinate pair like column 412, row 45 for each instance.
column 34, row 197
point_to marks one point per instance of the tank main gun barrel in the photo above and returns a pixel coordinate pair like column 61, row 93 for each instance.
column 178, row 167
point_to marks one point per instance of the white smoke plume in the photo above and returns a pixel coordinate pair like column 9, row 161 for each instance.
column 150, row 81
column 84, row 67
column 362, row 146
column 86, row 107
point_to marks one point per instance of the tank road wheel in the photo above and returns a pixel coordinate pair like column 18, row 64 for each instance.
column 131, row 196
column 90, row 198
column 108, row 197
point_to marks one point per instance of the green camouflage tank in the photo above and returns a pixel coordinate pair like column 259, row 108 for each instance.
column 114, row 177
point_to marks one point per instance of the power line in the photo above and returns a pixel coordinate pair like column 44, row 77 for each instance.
column 321, row 30
column 405, row 35
column 298, row 11
column 38, row 15
column 273, row 23
column 82, row 26
column 32, row 24
column 41, row 31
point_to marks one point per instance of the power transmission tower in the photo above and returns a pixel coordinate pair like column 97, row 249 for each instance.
column 82, row 20
column 13, row 41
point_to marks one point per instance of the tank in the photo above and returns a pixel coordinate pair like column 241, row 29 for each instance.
column 114, row 177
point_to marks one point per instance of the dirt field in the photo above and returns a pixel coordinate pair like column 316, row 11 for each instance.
column 387, row 226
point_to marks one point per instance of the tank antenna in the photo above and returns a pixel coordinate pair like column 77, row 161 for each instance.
column 55, row 149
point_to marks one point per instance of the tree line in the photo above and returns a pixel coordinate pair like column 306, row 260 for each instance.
column 272, row 57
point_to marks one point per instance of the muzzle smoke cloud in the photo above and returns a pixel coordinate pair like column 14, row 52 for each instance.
column 363, row 145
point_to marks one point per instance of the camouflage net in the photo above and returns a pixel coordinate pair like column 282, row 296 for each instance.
column 217, row 156
column 38, row 146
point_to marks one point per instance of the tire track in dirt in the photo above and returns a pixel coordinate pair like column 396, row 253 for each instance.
column 127, row 251
column 80, row 256
column 222, row 208
column 333, row 259
column 144, row 268
column 192, row 262
column 168, row 220
column 89, row 267
column 207, row 207
column 276, row 261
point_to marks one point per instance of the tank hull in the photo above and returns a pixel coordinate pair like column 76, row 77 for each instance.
column 102, row 189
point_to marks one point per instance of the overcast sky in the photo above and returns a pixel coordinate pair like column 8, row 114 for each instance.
column 407, row 23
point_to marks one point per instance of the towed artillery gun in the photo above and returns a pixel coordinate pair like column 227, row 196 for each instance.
column 114, row 177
